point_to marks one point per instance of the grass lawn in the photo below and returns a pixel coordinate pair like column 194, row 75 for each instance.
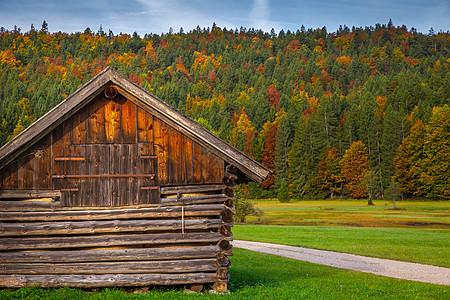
column 427, row 246
column 417, row 232
column 412, row 214
column 263, row 276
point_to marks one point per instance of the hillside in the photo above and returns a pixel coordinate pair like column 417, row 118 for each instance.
column 348, row 113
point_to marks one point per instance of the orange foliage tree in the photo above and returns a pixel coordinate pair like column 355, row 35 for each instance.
column 355, row 165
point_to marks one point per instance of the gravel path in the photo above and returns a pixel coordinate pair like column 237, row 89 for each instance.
column 378, row 266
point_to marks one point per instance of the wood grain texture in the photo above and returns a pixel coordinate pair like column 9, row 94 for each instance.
column 128, row 117
column 89, row 281
column 107, row 214
column 161, row 146
column 79, row 127
column 142, row 254
column 106, row 240
column 141, row 267
column 112, row 121
column 97, row 227
column 96, row 121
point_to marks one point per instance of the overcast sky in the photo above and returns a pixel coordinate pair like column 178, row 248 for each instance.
column 157, row 16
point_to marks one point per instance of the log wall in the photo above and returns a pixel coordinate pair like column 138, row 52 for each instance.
column 183, row 241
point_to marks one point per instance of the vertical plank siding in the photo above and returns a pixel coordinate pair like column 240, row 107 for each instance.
column 112, row 137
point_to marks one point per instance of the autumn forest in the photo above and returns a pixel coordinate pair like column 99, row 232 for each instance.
column 356, row 113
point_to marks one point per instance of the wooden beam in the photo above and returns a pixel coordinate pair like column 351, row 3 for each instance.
column 83, row 214
column 150, row 176
column 10, row 194
column 89, row 281
column 107, row 240
column 141, row 254
column 95, row 227
column 191, row 189
column 129, row 267
column 28, row 205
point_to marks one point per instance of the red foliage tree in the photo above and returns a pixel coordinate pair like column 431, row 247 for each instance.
column 274, row 96
column 268, row 155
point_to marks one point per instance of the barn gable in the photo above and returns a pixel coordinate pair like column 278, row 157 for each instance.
column 126, row 191
column 112, row 143
column 147, row 102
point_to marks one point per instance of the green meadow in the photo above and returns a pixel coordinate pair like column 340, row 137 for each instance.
column 409, row 214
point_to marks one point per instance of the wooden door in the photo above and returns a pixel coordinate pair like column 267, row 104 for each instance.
column 106, row 175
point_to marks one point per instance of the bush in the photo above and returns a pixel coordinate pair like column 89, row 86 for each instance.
column 283, row 192
column 244, row 207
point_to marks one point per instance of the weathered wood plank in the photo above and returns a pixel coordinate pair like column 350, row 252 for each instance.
column 99, row 165
column 10, row 176
column 191, row 189
column 174, row 162
column 144, row 166
column 79, row 127
column 124, row 168
column 96, row 121
column 188, row 160
column 104, row 214
column 60, row 140
column 25, row 166
column 88, row 281
column 112, row 121
column 161, row 145
column 144, row 126
column 95, row 227
column 198, row 168
column 30, row 205
column 141, row 267
column 214, row 198
column 9, row 194
column 128, row 117
column 4, row 177
column 114, row 169
column 75, row 167
column 136, row 254
column 43, row 161
column 106, row 240
column 207, row 171
column 217, row 169
column 132, row 198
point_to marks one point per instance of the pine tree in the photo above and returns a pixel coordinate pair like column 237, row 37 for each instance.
column 390, row 140
column 435, row 164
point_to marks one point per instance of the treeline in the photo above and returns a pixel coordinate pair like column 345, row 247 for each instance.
column 341, row 114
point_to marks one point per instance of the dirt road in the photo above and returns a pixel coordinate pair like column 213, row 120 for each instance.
column 378, row 266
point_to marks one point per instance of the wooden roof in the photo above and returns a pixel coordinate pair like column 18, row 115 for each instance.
column 250, row 167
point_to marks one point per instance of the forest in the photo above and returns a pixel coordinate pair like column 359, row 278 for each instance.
column 357, row 113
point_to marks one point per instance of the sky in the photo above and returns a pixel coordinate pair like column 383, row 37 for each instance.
column 157, row 16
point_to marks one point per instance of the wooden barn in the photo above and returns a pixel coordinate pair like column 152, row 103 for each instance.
column 113, row 187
